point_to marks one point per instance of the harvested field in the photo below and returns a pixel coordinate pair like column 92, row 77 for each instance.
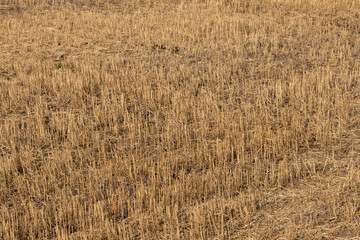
column 177, row 119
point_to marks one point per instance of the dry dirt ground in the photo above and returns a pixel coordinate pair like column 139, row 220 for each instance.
column 179, row 119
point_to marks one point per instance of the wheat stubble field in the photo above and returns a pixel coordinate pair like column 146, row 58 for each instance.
column 179, row 119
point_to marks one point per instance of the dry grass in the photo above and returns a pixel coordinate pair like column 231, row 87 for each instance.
column 179, row 119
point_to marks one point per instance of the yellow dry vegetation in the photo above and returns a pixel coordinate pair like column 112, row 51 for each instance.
column 179, row 119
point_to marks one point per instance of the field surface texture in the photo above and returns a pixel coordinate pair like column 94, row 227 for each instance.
column 204, row 119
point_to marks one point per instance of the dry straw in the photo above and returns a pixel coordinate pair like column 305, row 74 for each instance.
column 179, row 119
